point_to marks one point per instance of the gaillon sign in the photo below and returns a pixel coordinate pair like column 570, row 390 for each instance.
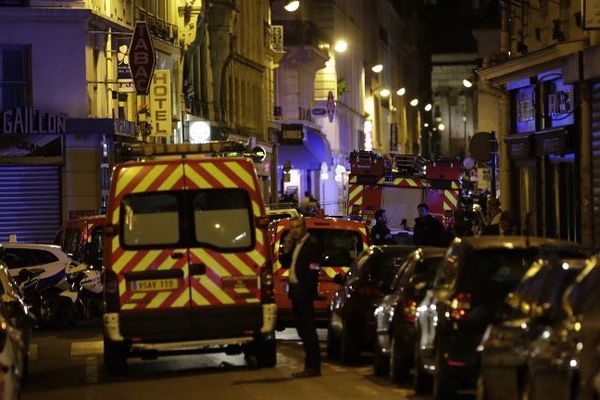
column 26, row 120
column 142, row 58
column 292, row 134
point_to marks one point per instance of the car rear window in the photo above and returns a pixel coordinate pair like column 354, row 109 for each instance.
column 21, row 258
column 339, row 247
column 491, row 273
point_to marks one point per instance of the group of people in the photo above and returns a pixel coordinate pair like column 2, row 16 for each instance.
column 429, row 231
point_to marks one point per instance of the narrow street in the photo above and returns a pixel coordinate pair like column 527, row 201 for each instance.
column 68, row 365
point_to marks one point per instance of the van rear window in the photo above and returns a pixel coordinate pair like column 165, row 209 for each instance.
column 150, row 219
column 222, row 218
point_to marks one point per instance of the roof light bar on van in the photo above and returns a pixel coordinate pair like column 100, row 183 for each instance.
column 215, row 147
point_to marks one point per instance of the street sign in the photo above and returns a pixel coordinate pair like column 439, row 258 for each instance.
column 481, row 146
column 142, row 58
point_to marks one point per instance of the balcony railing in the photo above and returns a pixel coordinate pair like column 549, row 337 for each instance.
column 302, row 33
column 158, row 28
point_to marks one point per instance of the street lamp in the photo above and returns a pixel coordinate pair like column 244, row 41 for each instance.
column 292, row 6
column 414, row 102
column 467, row 83
column 385, row 92
column 401, row 92
column 426, row 125
column 428, row 107
column 441, row 127
column 377, row 68
column 340, row 46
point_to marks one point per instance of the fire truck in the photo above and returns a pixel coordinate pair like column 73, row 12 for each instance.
column 397, row 183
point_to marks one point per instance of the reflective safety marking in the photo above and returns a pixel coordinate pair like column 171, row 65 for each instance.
column 239, row 264
column 218, row 175
column 216, row 291
column 138, row 295
column 238, row 170
column 197, row 179
column 149, row 179
column 172, row 180
column 158, row 300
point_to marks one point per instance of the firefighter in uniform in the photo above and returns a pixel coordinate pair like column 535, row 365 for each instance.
column 302, row 256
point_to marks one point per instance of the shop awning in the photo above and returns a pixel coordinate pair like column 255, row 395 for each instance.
column 309, row 155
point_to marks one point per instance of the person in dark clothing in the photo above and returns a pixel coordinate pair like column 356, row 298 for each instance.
column 428, row 231
column 380, row 233
column 302, row 256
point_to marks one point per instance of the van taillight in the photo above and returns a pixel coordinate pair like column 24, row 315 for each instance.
column 460, row 306
column 409, row 309
column 266, row 283
column 111, row 291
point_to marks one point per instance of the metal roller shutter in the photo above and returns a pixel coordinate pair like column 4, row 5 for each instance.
column 29, row 202
column 595, row 93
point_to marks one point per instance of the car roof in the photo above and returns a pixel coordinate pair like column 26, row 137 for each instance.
column 512, row 242
column 49, row 247
column 433, row 252
column 325, row 223
column 393, row 249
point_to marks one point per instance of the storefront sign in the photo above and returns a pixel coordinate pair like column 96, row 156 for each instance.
column 560, row 102
column 160, row 100
column 124, row 78
column 292, row 134
column 591, row 14
column 142, row 58
column 27, row 121
column 519, row 150
column 525, row 110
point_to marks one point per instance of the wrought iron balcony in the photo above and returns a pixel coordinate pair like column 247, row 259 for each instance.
column 158, row 28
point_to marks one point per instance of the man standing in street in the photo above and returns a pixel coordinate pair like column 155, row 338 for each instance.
column 428, row 230
column 381, row 234
column 302, row 256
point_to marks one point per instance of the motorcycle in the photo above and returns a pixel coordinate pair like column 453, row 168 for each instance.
column 47, row 297
column 86, row 287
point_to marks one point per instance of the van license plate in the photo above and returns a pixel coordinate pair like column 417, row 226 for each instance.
column 155, row 285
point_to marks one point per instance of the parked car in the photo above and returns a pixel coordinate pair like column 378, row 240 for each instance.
column 396, row 315
column 472, row 283
column 275, row 214
column 15, row 333
column 564, row 359
column 49, row 260
column 352, row 321
column 341, row 240
column 75, row 234
column 531, row 309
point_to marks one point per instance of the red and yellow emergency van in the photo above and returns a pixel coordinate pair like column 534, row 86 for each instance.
column 75, row 234
column 341, row 241
column 187, row 256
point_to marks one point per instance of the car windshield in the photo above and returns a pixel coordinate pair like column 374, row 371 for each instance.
column 490, row 274
column 339, row 247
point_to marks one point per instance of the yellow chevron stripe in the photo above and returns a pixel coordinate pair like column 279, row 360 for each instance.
column 252, row 300
column 115, row 221
column 181, row 300
column 239, row 264
column 210, row 262
column 128, row 306
column 127, row 174
column 197, row 179
column 138, row 296
column 145, row 262
column 447, row 206
column 411, row 182
column 260, row 237
column 172, row 179
column 356, row 192
column 215, row 290
column 449, row 195
column 120, row 263
column 158, row 300
column 256, row 208
column 353, row 179
column 258, row 258
column 218, row 175
column 198, row 299
column 237, row 169
column 149, row 178
column 454, row 185
column 398, row 181
column 279, row 229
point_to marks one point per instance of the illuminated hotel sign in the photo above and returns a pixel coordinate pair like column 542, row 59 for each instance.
column 26, row 120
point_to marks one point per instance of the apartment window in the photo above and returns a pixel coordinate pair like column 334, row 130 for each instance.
column 15, row 77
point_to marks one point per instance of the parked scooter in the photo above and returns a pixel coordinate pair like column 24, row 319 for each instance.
column 86, row 283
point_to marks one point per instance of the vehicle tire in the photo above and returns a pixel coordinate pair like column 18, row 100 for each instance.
column 422, row 380
column 348, row 347
column 115, row 357
column 444, row 384
column 399, row 365
column 266, row 351
column 333, row 345
column 381, row 362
